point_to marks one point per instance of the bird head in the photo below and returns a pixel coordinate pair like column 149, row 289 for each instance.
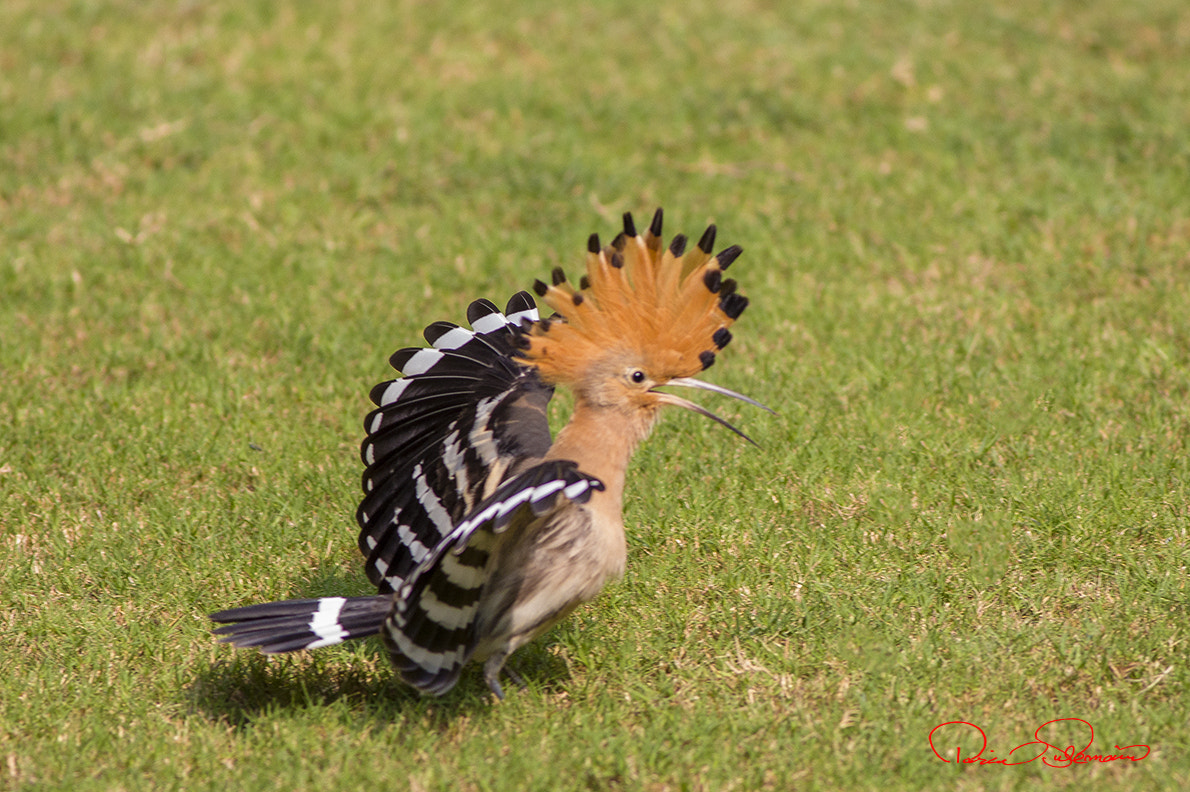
column 644, row 316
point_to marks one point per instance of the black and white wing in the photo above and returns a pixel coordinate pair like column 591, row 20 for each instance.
column 431, row 630
column 442, row 438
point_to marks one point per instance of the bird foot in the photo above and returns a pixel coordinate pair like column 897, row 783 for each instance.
column 491, row 675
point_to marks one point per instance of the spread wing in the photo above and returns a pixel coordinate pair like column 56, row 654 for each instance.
column 442, row 437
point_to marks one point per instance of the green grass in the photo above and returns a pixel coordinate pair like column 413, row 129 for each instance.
column 967, row 235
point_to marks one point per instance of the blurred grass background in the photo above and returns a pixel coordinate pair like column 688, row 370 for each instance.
column 966, row 239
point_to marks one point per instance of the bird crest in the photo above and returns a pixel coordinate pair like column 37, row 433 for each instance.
column 668, row 306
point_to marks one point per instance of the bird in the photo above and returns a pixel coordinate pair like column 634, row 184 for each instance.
column 479, row 529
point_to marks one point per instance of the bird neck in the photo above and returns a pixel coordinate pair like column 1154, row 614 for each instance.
column 601, row 439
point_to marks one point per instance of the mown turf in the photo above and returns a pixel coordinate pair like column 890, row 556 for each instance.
column 966, row 230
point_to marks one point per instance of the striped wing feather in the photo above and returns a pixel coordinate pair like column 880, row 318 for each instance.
column 441, row 437
column 431, row 630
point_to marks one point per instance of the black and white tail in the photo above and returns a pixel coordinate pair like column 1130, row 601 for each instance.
column 293, row 625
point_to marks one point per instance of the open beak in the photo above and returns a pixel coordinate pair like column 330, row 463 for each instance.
column 689, row 382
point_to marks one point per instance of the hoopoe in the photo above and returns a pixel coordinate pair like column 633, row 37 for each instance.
column 479, row 531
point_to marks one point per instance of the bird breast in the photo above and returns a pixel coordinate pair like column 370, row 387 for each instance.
column 543, row 570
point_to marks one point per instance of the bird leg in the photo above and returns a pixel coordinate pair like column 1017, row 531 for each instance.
column 491, row 673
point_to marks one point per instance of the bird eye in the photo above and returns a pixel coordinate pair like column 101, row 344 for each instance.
column 637, row 376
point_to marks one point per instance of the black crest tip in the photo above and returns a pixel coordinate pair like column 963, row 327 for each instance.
column 713, row 280
column 707, row 242
column 618, row 260
column 733, row 305
column 728, row 255
column 678, row 245
column 707, row 358
column 593, row 244
column 619, row 241
column 655, row 226
column 576, row 298
column 722, row 337
column 540, row 288
column 629, row 225
column 558, row 276
column 584, row 283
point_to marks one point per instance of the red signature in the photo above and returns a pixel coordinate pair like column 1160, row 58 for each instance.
column 1061, row 757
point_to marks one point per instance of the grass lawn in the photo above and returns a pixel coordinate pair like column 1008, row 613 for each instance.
column 967, row 242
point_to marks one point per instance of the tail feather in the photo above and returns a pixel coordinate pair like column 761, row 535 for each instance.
column 293, row 625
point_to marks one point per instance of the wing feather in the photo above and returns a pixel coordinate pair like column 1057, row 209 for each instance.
column 463, row 416
column 431, row 631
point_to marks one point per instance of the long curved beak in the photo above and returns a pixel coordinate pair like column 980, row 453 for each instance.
column 689, row 382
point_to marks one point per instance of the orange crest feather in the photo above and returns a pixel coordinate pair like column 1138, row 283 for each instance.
column 667, row 306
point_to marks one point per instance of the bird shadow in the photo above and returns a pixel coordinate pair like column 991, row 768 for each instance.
column 243, row 685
